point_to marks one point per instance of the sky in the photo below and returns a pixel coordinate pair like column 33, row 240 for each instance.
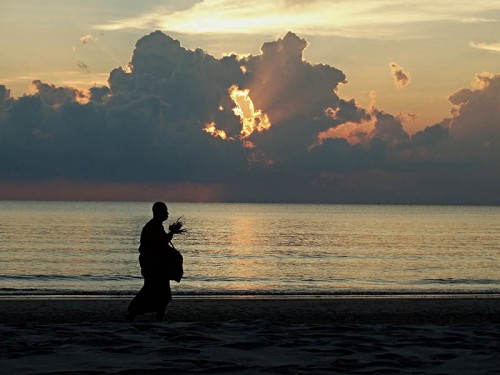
column 336, row 101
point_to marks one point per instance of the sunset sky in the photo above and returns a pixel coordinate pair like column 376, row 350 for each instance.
column 342, row 101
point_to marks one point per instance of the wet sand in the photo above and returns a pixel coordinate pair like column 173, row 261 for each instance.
column 430, row 335
column 345, row 310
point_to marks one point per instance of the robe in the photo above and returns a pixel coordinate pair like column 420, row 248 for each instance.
column 154, row 251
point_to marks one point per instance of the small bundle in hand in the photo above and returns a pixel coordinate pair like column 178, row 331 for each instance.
column 176, row 227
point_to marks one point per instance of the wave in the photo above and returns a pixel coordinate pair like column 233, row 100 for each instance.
column 39, row 292
column 448, row 281
column 57, row 277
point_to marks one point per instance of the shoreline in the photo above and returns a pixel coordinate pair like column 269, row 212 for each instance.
column 285, row 296
column 339, row 309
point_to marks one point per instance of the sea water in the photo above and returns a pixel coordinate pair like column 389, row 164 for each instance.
column 91, row 248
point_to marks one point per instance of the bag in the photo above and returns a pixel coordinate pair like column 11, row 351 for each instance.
column 174, row 264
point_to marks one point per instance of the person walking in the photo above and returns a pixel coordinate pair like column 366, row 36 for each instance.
column 157, row 257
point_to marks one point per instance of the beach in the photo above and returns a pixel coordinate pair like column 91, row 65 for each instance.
column 254, row 335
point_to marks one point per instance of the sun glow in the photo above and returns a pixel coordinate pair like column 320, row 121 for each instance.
column 251, row 119
column 210, row 128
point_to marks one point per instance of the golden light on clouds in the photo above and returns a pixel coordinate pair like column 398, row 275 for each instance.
column 250, row 118
column 56, row 97
column 352, row 132
column 491, row 47
column 482, row 80
column 361, row 18
column 224, row 16
column 210, row 128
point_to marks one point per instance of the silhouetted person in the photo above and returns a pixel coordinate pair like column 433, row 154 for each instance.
column 156, row 253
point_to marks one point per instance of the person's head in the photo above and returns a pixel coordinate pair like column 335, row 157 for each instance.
column 160, row 211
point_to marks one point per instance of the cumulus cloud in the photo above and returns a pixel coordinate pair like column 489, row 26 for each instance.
column 4, row 93
column 55, row 97
column 475, row 120
column 374, row 124
column 401, row 79
column 183, row 121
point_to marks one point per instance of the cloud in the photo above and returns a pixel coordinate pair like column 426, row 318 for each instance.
column 360, row 19
column 53, row 96
column 4, row 93
column 84, row 68
column 475, row 120
column 493, row 47
column 85, row 39
column 401, row 79
column 479, row 20
column 178, row 120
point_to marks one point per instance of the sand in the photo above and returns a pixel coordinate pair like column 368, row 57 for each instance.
column 427, row 335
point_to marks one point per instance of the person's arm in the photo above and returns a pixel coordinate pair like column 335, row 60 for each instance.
column 169, row 237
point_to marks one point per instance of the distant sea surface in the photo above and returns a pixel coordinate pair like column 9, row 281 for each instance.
column 86, row 248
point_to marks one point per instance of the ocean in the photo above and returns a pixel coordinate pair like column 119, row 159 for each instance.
column 91, row 249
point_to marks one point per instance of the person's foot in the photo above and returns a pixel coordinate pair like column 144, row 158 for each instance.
column 130, row 316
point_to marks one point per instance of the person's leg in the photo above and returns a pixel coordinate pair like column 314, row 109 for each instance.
column 167, row 297
column 160, row 314
column 142, row 301
column 133, row 307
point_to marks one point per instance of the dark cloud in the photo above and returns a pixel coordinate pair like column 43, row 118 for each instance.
column 401, row 79
column 4, row 93
column 98, row 94
column 55, row 97
column 269, row 127
column 388, row 128
column 431, row 137
column 476, row 117
column 84, row 68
